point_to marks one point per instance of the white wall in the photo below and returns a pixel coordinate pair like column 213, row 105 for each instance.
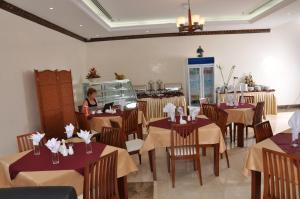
column 272, row 58
column 25, row 46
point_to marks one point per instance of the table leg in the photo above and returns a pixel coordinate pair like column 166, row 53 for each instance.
column 240, row 135
column 216, row 159
column 255, row 185
column 123, row 187
column 152, row 159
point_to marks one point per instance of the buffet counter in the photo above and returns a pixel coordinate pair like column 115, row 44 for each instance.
column 155, row 105
column 267, row 96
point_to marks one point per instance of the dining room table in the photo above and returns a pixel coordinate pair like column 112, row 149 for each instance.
column 253, row 165
column 240, row 115
column 99, row 120
column 27, row 169
column 210, row 135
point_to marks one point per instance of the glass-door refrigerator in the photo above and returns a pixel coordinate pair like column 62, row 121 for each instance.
column 200, row 80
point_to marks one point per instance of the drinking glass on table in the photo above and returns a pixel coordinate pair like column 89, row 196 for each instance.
column 55, row 158
column 36, row 149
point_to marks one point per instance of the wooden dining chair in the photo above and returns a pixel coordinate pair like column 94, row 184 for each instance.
column 25, row 143
column 184, row 146
column 129, row 129
column 111, row 136
column 248, row 99
column 142, row 106
column 82, row 121
column 222, row 123
column 281, row 175
column 262, row 131
column 210, row 111
column 100, row 178
column 257, row 117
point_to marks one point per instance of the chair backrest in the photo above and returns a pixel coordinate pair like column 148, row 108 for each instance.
column 184, row 139
column 130, row 122
column 111, row 136
column 222, row 121
column 262, row 131
column 25, row 143
column 115, row 124
column 100, row 178
column 248, row 99
column 203, row 101
column 258, row 113
column 142, row 106
column 210, row 111
column 82, row 121
column 281, row 175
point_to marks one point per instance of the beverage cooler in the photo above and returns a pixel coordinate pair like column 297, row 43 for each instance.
column 200, row 80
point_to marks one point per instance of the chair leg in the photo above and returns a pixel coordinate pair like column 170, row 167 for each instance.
column 204, row 151
column 140, row 158
column 221, row 156
column 234, row 133
column 227, row 159
column 168, row 161
column 199, row 170
column 173, row 173
column 246, row 132
column 230, row 133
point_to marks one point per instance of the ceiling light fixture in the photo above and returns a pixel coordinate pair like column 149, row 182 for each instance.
column 80, row 25
column 51, row 8
column 190, row 24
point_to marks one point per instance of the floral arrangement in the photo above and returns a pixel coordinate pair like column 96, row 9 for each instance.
column 92, row 74
column 226, row 83
column 249, row 80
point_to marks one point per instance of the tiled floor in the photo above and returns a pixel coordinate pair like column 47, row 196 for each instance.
column 230, row 184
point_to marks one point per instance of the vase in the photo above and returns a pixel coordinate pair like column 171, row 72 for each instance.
column 89, row 148
column 36, row 150
column 55, row 158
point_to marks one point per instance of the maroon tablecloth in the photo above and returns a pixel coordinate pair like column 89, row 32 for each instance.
column 43, row 162
column 223, row 106
column 166, row 124
column 284, row 141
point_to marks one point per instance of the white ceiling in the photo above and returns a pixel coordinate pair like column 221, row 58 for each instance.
column 158, row 16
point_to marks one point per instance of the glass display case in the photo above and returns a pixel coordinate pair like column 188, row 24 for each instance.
column 112, row 91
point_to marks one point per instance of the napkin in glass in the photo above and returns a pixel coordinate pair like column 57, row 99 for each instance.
column 294, row 123
column 36, row 138
column 86, row 136
column 53, row 145
column 69, row 130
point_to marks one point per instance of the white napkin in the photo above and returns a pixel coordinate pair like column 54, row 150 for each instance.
column 182, row 121
column 169, row 108
column 53, row 145
column 69, row 130
column 63, row 148
column 86, row 136
column 294, row 123
column 194, row 111
column 180, row 110
column 98, row 111
column 36, row 138
column 111, row 111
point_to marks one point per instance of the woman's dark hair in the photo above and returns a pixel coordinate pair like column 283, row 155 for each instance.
column 90, row 91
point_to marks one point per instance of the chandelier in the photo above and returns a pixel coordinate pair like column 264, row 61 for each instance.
column 190, row 24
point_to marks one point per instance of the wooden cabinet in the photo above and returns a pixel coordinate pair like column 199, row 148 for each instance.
column 56, row 101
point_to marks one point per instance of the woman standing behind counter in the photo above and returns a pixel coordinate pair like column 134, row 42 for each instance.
column 90, row 101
